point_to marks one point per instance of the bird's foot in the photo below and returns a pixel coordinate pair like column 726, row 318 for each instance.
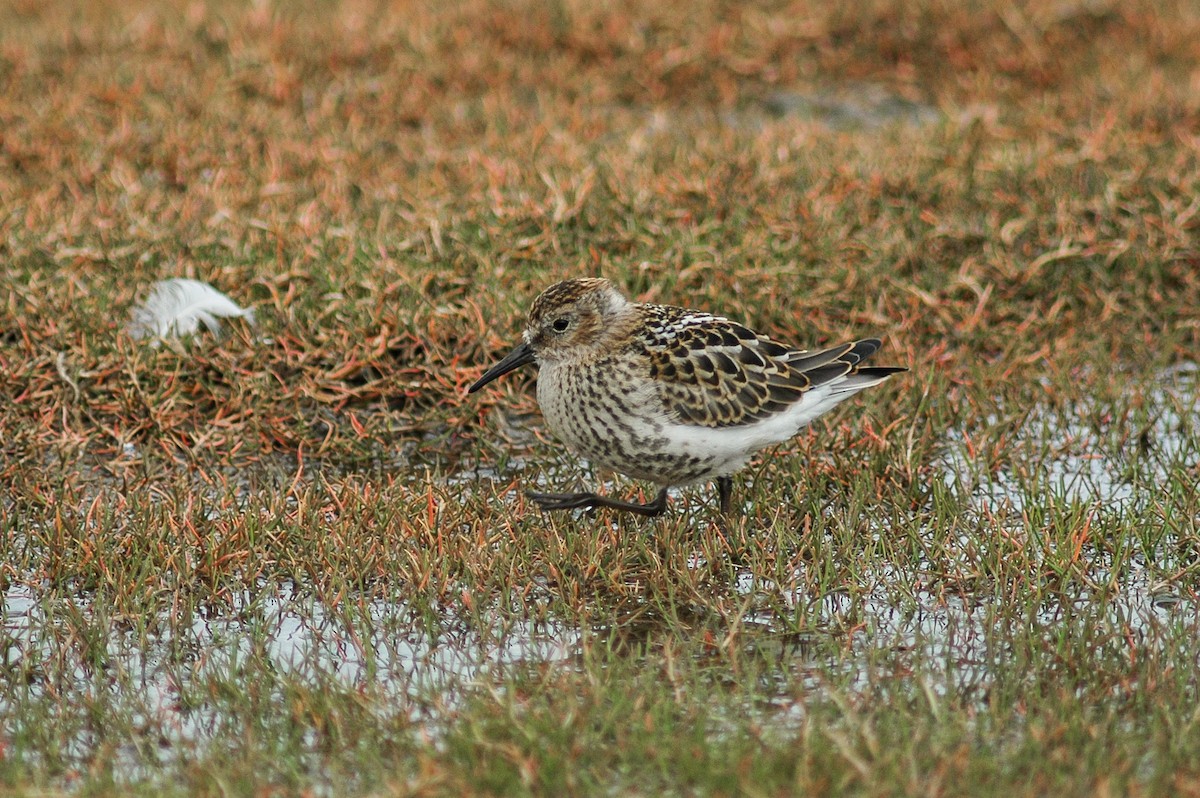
column 587, row 501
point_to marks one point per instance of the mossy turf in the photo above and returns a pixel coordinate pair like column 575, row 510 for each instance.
column 297, row 558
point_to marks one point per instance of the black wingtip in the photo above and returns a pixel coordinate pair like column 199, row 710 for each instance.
column 861, row 350
column 881, row 371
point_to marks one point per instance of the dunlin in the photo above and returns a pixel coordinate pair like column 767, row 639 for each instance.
column 670, row 395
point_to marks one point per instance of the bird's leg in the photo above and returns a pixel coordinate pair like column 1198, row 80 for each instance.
column 581, row 501
column 724, row 493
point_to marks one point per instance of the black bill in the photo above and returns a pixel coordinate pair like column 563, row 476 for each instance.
column 520, row 356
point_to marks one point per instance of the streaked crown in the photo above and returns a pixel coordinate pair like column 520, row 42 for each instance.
column 574, row 318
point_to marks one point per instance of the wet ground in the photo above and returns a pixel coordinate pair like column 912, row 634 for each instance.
column 901, row 622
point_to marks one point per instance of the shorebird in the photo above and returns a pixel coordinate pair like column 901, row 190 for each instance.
column 670, row 395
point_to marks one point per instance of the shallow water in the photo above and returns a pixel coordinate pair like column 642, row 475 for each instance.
column 1076, row 453
column 166, row 674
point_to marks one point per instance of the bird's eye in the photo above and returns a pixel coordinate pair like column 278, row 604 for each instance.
column 560, row 325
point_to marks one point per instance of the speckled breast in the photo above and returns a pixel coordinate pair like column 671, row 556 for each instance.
column 610, row 414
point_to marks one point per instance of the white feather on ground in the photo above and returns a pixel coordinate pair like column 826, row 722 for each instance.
column 177, row 307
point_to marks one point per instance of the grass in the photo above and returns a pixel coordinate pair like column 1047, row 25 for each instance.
column 297, row 558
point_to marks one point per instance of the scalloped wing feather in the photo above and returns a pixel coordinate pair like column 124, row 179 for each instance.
column 713, row 372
